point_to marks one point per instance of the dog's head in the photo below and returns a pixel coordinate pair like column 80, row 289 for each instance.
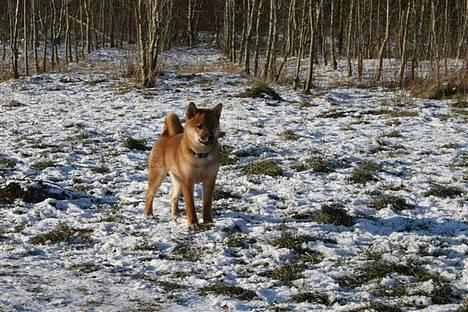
column 202, row 124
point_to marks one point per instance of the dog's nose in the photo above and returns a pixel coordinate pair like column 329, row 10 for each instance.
column 210, row 138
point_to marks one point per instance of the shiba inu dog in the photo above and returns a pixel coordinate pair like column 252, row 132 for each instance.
column 190, row 155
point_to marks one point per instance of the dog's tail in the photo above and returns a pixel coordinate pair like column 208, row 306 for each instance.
column 172, row 125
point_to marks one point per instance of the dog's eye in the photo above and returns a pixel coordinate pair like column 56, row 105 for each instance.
column 199, row 126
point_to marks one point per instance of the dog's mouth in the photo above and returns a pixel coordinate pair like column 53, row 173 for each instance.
column 205, row 142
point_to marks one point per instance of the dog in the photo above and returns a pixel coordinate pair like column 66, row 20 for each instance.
column 190, row 155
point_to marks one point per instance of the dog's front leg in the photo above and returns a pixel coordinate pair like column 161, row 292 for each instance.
column 208, row 192
column 190, row 205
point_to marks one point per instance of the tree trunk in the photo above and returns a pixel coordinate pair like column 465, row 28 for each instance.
column 461, row 39
column 348, row 41
column 310, row 71
column 300, row 53
column 401, row 74
column 34, row 33
column 332, row 39
column 25, row 38
column 370, row 32
column 14, row 21
column 251, row 13
column 271, row 38
column 384, row 43
column 88, row 29
column 435, row 41
column 257, row 37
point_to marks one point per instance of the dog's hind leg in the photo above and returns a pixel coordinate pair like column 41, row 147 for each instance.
column 175, row 194
column 155, row 178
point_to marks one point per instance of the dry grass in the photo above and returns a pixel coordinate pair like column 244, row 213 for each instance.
column 454, row 86
column 129, row 67
column 5, row 74
column 225, row 67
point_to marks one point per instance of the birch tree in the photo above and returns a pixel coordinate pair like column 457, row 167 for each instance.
column 384, row 42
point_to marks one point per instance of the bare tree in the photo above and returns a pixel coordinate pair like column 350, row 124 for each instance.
column 152, row 18
column 257, row 37
column 384, row 43
column 25, row 37
column 302, row 39
column 251, row 5
column 401, row 74
column 14, row 21
column 310, row 71
column 348, row 40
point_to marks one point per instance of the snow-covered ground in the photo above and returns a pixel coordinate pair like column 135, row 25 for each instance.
column 85, row 244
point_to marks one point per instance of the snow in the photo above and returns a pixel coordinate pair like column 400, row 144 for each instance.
column 79, row 121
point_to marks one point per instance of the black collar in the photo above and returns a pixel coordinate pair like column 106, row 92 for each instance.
column 199, row 155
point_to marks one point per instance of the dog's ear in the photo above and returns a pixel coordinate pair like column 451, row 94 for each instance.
column 217, row 110
column 191, row 111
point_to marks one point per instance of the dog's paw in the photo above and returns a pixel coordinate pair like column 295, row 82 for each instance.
column 194, row 226
column 149, row 216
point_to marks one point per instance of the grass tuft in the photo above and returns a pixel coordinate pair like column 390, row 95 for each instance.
column 42, row 164
column 332, row 113
column 102, row 169
column 225, row 158
column 265, row 167
column 383, row 201
column 289, row 135
column 223, row 194
column 184, row 252
column 312, row 297
column 292, row 241
column 258, row 90
column 317, row 163
column 228, row 290
column 365, row 172
column 443, row 191
column 7, row 163
column 286, row 273
column 63, row 233
column 333, row 214
column 403, row 113
column 136, row 144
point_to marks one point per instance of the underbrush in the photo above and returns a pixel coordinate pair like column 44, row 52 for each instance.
column 454, row 86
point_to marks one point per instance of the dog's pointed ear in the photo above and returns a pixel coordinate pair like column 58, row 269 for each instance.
column 217, row 110
column 191, row 111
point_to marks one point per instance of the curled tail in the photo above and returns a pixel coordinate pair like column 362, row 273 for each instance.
column 172, row 125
